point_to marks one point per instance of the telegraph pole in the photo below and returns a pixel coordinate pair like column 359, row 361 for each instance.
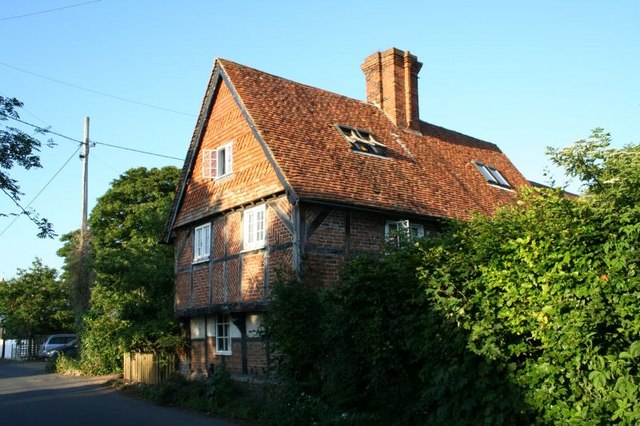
column 85, row 183
column 81, row 273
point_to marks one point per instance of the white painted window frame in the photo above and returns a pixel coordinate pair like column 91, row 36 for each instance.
column 403, row 225
column 217, row 163
column 255, row 228
column 202, row 243
column 223, row 335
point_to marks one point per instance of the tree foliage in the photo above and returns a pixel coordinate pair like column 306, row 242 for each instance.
column 35, row 302
column 550, row 289
column 18, row 148
column 373, row 351
column 77, row 270
column 131, row 306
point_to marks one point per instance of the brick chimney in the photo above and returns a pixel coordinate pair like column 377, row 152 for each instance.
column 392, row 85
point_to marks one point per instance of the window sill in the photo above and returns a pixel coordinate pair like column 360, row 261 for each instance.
column 256, row 248
column 224, row 353
column 197, row 261
column 223, row 178
column 504, row 188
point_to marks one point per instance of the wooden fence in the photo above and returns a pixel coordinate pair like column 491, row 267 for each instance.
column 148, row 368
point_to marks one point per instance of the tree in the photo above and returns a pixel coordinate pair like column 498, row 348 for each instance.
column 21, row 149
column 35, row 302
column 131, row 306
column 549, row 288
column 77, row 270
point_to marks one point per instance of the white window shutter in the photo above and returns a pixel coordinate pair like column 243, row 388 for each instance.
column 209, row 163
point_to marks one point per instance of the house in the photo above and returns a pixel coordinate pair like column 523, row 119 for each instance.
column 283, row 176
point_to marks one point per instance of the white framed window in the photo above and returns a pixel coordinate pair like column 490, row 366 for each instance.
column 492, row 175
column 223, row 334
column 217, row 163
column 254, row 227
column 397, row 231
column 202, row 242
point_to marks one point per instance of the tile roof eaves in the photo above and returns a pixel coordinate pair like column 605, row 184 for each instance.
column 409, row 214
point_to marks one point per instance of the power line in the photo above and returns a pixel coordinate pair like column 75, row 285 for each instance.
column 42, row 190
column 47, row 11
column 94, row 142
column 97, row 92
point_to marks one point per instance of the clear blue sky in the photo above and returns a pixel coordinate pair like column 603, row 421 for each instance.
column 522, row 74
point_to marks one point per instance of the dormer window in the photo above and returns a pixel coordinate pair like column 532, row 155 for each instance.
column 362, row 141
column 492, row 175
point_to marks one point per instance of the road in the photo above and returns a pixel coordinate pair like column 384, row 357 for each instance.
column 30, row 397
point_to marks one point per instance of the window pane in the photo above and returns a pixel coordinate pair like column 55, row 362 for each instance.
column 222, row 154
column 254, row 227
column 209, row 163
column 202, row 241
column 499, row 178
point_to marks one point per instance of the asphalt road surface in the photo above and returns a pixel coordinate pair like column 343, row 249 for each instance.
column 30, row 397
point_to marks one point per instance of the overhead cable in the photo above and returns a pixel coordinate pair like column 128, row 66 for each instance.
column 92, row 141
column 97, row 92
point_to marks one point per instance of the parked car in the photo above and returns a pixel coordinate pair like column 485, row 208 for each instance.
column 55, row 341
column 70, row 350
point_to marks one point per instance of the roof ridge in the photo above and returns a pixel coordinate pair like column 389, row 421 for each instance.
column 309, row 86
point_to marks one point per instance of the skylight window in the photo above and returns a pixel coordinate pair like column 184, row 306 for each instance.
column 362, row 141
column 492, row 175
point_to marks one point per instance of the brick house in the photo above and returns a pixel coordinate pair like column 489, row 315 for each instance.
column 283, row 176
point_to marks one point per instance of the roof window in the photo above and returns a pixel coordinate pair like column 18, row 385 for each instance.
column 362, row 141
column 492, row 175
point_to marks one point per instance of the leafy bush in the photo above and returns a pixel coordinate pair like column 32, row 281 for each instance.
column 371, row 351
column 217, row 394
column 549, row 289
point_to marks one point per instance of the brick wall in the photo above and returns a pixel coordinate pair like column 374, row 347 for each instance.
column 342, row 235
column 198, row 357
column 232, row 275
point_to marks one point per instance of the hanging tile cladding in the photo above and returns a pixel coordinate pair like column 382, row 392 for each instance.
column 252, row 177
column 426, row 173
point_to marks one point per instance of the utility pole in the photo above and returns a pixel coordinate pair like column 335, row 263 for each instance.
column 82, row 274
column 85, row 182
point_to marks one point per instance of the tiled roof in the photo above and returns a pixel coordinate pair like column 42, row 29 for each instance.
column 426, row 173
column 429, row 173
